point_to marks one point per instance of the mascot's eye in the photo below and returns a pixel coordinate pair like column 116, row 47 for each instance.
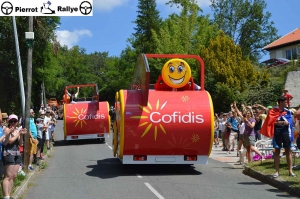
column 172, row 69
column 180, row 69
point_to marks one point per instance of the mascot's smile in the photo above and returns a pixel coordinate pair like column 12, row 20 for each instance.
column 177, row 81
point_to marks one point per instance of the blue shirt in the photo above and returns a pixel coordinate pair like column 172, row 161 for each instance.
column 33, row 128
column 1, row 134
column 234, row 122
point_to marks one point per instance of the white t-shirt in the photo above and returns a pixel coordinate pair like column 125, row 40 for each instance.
column 221, row 124
column 242, row 128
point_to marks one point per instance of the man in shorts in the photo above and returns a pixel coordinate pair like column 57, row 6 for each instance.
column 283, row 135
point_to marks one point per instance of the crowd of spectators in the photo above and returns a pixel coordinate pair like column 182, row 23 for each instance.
column 244, row 125
column 41, row 132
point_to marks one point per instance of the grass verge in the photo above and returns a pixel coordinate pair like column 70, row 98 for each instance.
column 267, row 168
column 17, row 182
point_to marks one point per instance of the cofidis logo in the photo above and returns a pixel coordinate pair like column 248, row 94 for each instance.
column 81, row 117
column 47, row 8
column 157, row 118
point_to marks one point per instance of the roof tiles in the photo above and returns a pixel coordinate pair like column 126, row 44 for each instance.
column 288, row 38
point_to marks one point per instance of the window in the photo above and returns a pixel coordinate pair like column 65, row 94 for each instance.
column 288, row 54
column 294, row 53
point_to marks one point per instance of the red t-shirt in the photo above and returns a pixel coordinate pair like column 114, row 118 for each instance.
column 288, row 96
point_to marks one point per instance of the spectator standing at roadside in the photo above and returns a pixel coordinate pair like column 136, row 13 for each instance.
column 242, row 130
column 279, row 125
column 40, row 129
column 216, row 129
column 249, row 135
column 220, row 120
column 288, row 96
column 4, row 119
column 47, row 122
column 2, row 138
column 33, row 142
column 11, row 154
column 223, row 135
column 233, row 124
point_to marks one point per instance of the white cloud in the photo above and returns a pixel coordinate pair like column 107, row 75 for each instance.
column 71, row 39
column 108, row 5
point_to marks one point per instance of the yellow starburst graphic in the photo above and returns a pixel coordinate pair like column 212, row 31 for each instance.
column 195, row 138
column 76, row 119
column 149, row 125
column 185, row 98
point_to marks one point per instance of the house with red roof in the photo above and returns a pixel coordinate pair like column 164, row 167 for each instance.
column 286, row 46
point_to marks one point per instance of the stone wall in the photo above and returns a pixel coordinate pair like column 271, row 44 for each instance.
column 293, row 85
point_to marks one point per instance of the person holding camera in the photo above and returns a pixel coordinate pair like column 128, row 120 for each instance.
column 11, row 154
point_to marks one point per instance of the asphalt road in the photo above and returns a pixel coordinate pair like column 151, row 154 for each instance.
column 87, row 169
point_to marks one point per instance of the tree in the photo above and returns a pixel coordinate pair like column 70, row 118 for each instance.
column 246, row 23
column 44, row 31
column 228, row 75
column 183, row 34
column 148, row 20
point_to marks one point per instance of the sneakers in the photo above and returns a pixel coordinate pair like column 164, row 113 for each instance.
column 42, row 157
column 31, row 168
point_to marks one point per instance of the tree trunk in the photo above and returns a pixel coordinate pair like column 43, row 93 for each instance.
column 28, row 97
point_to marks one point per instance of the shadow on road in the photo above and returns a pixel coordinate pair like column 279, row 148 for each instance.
column 77, row 142
column 112, row 167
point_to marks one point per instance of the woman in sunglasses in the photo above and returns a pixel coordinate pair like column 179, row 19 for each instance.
column 11, row 154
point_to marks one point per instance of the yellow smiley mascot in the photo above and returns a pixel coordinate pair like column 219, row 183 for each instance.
column 176, row 73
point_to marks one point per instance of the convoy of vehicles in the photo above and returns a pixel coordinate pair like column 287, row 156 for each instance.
column 170, row 124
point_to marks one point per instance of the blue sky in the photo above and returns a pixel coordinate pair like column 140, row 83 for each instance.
column 111, row 24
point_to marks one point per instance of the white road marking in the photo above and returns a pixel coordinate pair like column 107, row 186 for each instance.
column 139, row 176
column 154, row 191
column 108, row 146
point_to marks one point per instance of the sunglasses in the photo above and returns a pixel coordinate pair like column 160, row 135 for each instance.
column 13, row 121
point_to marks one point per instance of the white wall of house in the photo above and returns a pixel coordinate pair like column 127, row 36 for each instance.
column 282, row 52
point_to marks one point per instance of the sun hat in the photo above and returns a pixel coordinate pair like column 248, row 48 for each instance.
column 12, row 116
column 4, row 116
column 285, row 89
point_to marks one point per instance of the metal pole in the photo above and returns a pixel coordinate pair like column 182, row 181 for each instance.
column 19, row 69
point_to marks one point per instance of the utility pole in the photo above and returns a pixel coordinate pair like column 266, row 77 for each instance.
column 19, row 69
column 29, row 40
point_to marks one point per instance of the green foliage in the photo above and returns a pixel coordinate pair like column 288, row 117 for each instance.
column 246, row 23
column 228, row 74
column 44, row 27
column 148, row 21
column 183, row 34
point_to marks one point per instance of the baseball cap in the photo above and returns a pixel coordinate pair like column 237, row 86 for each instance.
column 39, row 119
